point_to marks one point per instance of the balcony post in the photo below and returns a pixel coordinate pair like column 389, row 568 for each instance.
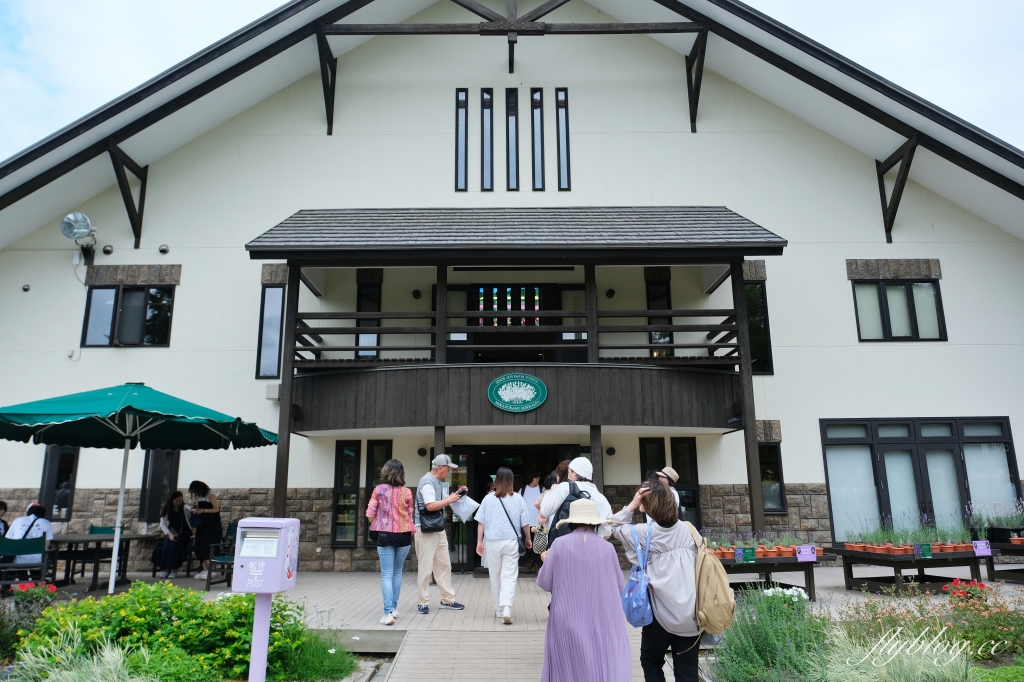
column 590, row 277
column 285, row 394
column 739, row 300
column 441, row 316
column 439, row 446
column 597, row 455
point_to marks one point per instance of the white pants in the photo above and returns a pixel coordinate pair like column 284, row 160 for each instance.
column 503, row 567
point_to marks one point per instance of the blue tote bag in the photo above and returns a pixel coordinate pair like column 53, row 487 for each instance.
column 636, row 598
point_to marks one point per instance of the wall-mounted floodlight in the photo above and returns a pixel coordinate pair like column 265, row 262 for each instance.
column 77, row 226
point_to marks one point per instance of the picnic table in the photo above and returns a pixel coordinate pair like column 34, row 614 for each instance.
column 86, row 548
column 782, row 564
column 903, row 562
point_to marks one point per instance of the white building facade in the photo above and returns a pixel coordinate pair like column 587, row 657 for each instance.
column 849, row 378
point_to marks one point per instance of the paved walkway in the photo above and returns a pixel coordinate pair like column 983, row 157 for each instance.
column 473, row 644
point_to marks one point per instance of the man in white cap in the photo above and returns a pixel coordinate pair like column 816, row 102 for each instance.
column 580, row 471
column 432, row 547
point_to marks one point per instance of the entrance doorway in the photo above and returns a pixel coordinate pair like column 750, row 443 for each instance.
column 483, row 462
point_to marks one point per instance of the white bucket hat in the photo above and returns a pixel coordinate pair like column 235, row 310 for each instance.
column 583, row 467
column 585, row 513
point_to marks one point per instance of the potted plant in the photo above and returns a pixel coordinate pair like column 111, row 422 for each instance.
column 1004, row 520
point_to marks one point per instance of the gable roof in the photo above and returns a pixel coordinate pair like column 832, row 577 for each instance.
column 955, row 159
column 507, row 234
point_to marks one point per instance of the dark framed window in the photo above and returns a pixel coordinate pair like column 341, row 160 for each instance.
column 159, row 480
column 486, row 140
column 368, row 301
column 377, row 453
column 461, row 139
column 914, row 471
column 562, row 131
column 899, row 310
column 757, row 327
column 512, row 138
column 537, row 126
column 268, row 346
column 652, row 456
column 684, row 461
column 659, row 297
column 124, row 315
column 57, row 488
column 346, row 493
column 773, row 488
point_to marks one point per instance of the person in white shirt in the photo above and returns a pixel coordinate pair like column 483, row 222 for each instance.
column 32, row 525
column 580, row 471
column 530, row 492
column 501, row 520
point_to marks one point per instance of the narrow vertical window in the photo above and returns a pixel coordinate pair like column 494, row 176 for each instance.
column 461, row 138
column 537, row 118
column 268, row 347
column 562, row 117
column 487, row 140
column 512, row 137
column 368, row 301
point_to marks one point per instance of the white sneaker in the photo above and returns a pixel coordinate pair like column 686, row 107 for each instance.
column 395, row 613
column 172, row 574
column 506, row 615
column 497, row 613
column 389, row 619
column 201, row 575
column 162, row 574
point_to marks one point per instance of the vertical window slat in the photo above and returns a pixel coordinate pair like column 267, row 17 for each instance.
column 461, row 138
column 562, row 114
column 537, row 125
column 268, row 361
column 512, row 138
column 487, row 140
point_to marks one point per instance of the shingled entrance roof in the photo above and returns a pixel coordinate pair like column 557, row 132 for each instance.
column 576, row 234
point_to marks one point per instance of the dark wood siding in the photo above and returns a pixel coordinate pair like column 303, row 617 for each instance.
column 456, row 395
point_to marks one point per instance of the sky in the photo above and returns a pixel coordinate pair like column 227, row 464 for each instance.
column 61, row 59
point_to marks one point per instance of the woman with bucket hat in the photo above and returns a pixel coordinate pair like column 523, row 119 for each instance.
column 586, row 637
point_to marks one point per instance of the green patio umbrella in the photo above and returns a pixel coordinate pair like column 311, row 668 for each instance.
column 127, row 416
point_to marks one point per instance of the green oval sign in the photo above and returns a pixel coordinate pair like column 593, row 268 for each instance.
column 517, row 392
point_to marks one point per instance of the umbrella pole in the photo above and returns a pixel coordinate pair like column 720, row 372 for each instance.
column 112, row 583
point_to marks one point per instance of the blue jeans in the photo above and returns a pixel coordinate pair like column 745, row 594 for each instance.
column 392, row 559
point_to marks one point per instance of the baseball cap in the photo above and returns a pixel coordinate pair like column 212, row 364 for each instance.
column 444, row 461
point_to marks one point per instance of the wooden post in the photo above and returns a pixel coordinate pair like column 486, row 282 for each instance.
column 597, row 456
column 739, row 301
column 284, row 429
column 590, row 276
column 441, row 318
column 438, row 441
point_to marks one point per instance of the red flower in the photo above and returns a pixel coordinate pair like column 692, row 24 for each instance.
column 23, row 587
column 945, row 588
column 956, row 581
column 51, row 588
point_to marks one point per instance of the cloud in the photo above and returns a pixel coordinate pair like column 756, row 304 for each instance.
column 970, row 64
column 61, row 59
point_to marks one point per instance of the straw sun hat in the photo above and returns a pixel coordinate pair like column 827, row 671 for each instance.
column 583, row 512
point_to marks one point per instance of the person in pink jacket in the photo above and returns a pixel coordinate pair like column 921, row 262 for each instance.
column 391, row 516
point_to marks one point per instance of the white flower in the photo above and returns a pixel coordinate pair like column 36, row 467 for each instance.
column 517, row 392
column 331, row 651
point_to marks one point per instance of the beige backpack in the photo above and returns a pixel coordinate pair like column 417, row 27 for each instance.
column 716, row 604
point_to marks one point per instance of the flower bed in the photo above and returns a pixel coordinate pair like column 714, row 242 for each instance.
column 172, row 634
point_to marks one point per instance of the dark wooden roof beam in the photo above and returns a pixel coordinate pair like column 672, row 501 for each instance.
column 124, row 164
column 695, row 75
column 329, row 76
column 503, row 28
column 903, row 156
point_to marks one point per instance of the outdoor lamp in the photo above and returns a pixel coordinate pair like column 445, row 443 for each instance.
column 77, row 226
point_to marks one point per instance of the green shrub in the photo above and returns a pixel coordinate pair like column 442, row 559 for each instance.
column 775, row 636
column 157, row 617
column 317, row 659
column 851, row 661
column 1011, row 673
column 63, row 660
column 172, row 665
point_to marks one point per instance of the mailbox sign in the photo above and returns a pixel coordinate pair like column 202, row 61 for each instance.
column 266, row 555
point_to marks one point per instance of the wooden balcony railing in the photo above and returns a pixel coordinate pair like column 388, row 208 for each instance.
column 711, row 339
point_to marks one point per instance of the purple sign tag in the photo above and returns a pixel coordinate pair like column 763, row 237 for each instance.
column 739, row 555
column 982, row 548
column 806, row 553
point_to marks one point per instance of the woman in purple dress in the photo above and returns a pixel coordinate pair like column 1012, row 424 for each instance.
column 586, row 638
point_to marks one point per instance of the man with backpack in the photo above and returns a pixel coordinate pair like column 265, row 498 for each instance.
column 555, row 505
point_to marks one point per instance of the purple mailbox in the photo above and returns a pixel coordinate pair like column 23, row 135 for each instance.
column 266, row 561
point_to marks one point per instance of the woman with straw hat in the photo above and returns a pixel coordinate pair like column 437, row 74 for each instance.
column 586, row 634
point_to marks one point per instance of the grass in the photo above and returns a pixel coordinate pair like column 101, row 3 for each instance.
column 317, row 660
column 851, row 661
column 62, row 662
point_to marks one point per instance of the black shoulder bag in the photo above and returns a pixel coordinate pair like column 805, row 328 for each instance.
column 522, row 542
column 430, row 521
